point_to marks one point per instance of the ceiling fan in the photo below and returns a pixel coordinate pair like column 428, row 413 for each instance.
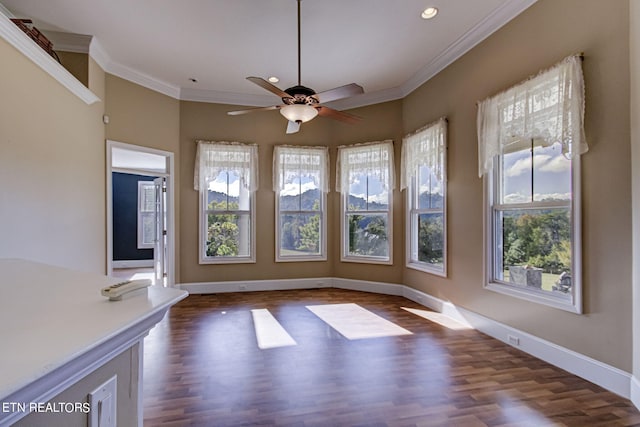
column 300, row 103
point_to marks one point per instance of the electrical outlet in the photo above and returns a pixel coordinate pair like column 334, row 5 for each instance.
column 103, row 404
column 513, row 340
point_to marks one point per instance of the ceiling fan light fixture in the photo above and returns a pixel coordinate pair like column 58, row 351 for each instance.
column 429, row 13
column 299, row 113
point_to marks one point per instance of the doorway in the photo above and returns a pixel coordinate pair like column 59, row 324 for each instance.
column 158, row 165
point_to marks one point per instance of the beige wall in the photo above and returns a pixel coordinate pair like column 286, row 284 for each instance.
column 77, row 64
column 634, row 49
column 210, row 122
column 52, row 163
column 143, row 117
column 541, row 36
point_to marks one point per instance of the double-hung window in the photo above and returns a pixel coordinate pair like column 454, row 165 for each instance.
column 530, row 140
column 424, row 176
column 226, row 175
column 300, row 183
column 146, row 214
column 365, row 179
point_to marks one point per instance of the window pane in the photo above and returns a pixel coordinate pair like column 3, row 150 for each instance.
column 551, row 174
column 367, row 193
column 148, row 228
column 223, row 192
column 431, row 238
column 516, row 177
column 148, row 197
column 300, row 234
column 368, row 235
column 301, row 195
column 430, row 189
column 228, row 235
column 536, row 248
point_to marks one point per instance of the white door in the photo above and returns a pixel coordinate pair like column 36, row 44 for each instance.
column 160, row 247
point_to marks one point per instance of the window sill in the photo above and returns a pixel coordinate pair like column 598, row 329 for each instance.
column 426, row 268
column 539, row 297
column 302, row 258
column 228, row 261
column 367, row 260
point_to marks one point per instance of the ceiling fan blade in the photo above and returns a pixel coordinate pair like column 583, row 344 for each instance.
column 340, row 92
column 268, row 86
column 338, row 115
column 252, row 110
column 293, row 127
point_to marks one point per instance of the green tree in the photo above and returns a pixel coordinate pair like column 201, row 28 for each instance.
column 222, row 231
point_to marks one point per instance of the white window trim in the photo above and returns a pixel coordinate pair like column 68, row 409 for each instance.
column 416, row 264
column 140, row 227
column 322, row 256
column 572, row 303
column 203, row 258
column 409, row 226
column 344, row 227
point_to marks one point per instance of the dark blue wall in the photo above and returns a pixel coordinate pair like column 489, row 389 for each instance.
column 125, row 218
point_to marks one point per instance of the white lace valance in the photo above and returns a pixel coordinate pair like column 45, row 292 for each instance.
column 215, row 157
column 371, row 158
column 424, row 147
column 548, row 108
column 291, row 163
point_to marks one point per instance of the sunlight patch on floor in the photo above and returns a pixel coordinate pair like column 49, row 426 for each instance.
column 354, row 322
column 269, row 332
column 438, row 318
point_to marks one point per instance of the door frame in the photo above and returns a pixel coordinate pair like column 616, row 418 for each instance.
column 170, row 222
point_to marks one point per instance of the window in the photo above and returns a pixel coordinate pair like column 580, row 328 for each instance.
column 530, row 140
column 365, row 179
column 301, row 184
column 424, row 177
column 226, row 176
column 146, row 214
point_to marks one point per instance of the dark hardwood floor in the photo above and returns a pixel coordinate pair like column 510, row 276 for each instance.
column 203, row 368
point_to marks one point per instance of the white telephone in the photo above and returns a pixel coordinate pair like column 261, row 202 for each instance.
column 127, row 288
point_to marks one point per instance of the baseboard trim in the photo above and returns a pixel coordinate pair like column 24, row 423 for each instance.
column 635, row 391
column 606, row 376
column 256, row 285
column 133, row 263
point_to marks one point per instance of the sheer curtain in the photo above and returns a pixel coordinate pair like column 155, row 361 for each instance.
column 371, row 158
column 292, row 162
column 424, row 147
column 215, row 157
column 548, row 108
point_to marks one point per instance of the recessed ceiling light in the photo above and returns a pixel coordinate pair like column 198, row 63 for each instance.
column 273, row 79
column 429, row 13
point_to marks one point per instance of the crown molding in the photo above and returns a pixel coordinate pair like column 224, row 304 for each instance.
column 101, row 56
column 220, row 97
column 69, row 42
column 499, row 17
column 23, row 43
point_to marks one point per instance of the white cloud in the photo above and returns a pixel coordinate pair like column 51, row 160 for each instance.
column 516, row 198
column 557, row 164
column 293, row 189
column 556, row 196
column 221, row 187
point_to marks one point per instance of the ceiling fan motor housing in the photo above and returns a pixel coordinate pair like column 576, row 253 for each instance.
column 300, row 95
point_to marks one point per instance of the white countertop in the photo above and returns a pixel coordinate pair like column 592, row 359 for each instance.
column 50, row 316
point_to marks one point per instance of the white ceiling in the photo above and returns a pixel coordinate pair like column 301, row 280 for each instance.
column 383, row 45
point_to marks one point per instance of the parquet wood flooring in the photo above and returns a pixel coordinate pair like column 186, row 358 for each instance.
column 204, row 368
